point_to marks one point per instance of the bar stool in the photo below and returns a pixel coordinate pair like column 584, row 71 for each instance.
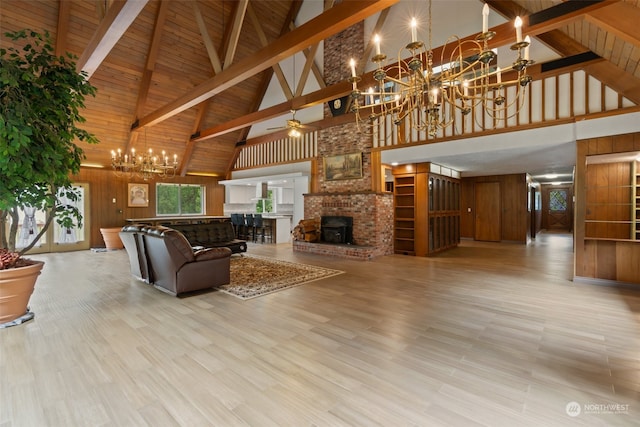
column 238, row 222
column 262, row 229
column 249, row 226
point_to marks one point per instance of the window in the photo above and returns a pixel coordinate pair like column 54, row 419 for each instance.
column 179, row 199
column 558, row 200
column 265, row 205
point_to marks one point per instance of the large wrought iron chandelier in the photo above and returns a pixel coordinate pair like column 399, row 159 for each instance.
column 423, row 95
column 145, row 165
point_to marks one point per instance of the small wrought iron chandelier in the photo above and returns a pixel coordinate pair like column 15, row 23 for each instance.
column 424, row 96
column 144, row 165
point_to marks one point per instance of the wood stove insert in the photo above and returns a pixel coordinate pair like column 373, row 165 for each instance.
column 336, row 229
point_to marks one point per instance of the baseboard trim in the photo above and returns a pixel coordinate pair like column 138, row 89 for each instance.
column 606, row 282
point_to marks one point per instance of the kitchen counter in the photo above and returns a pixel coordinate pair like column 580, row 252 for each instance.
column 280, row 226
column 159, row 220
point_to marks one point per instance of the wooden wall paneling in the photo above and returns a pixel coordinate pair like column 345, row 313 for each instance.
column 606, row 260
column 514, row 212
column 557, row 97
column 628, row 266
column 592, row 147
column 606, row 188
column 537, row 194
column 488, row 211
column 587, row 253
column 421, row 216
column 467, row 208
column 623, row 143
column 514, row 207
column 580, row 209
column 105, row 187
column 605, row 145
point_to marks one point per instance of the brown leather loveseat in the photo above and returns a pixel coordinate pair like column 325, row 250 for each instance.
column 212, row 235
column 164, row 257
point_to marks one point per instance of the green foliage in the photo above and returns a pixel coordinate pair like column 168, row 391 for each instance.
column 167, row 199
column 179, row 199
column 265, row 205
column 41, row 96
column 191, row 199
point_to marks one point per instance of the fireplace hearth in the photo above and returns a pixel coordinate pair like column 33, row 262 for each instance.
column 336, row 229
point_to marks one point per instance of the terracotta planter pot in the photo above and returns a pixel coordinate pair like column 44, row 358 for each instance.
column 112, row 238
column 16, row 287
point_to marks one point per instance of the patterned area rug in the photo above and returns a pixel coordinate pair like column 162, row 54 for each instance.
column 253, row 276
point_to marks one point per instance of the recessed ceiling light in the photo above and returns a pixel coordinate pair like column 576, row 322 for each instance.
column 551, row 176
column 394, row 163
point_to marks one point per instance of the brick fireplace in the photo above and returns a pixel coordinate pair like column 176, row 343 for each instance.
column 372, row 212
column 372, row 215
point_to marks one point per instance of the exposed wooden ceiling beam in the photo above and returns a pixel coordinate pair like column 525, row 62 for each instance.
column 555, row 40
column 327, row 24
column 533, row 25
column 216, row 64
column 617, row 79
column 152, row 56
column 620, row 19
column 305, row 101
column 190, row 145
column 120, row 15
column 150, row 64
column 64, row 8
column 231, row 38
column 604, row 71
column 234, row 33
column 314, row 67
column 304, row 75
column 294, row 9
column 336, row 91
column 320, row 124
column 382, row 18
column 265, row 42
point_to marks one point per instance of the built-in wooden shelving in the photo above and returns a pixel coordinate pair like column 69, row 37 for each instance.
column 404, row 214
column 611, row 200
column 635, row 230
column 426, row 209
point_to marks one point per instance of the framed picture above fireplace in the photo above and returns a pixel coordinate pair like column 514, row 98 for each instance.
column 343, row 166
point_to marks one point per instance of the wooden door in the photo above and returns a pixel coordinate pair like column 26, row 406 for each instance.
column 488, row 219
column 558, row 208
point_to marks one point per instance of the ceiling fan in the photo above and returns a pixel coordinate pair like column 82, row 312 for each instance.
column 294, row 126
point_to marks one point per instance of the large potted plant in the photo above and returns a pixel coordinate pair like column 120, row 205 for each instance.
column 41, row 95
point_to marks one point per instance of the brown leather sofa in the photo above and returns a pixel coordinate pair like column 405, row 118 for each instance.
column 131, row 236
column 212, row 235
column 165, row 258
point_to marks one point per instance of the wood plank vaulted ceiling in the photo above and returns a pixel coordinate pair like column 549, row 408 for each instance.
column 189, row 76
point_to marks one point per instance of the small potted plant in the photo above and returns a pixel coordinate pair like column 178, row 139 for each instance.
column 41, row 95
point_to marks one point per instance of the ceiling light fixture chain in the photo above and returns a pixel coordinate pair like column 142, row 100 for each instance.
column 293, row 124
column 416, row 94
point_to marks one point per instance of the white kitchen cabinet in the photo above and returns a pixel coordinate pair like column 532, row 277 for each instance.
column 287, row 196
column 240, row 193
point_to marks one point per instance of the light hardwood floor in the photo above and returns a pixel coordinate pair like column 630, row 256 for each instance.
column 484, row 335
